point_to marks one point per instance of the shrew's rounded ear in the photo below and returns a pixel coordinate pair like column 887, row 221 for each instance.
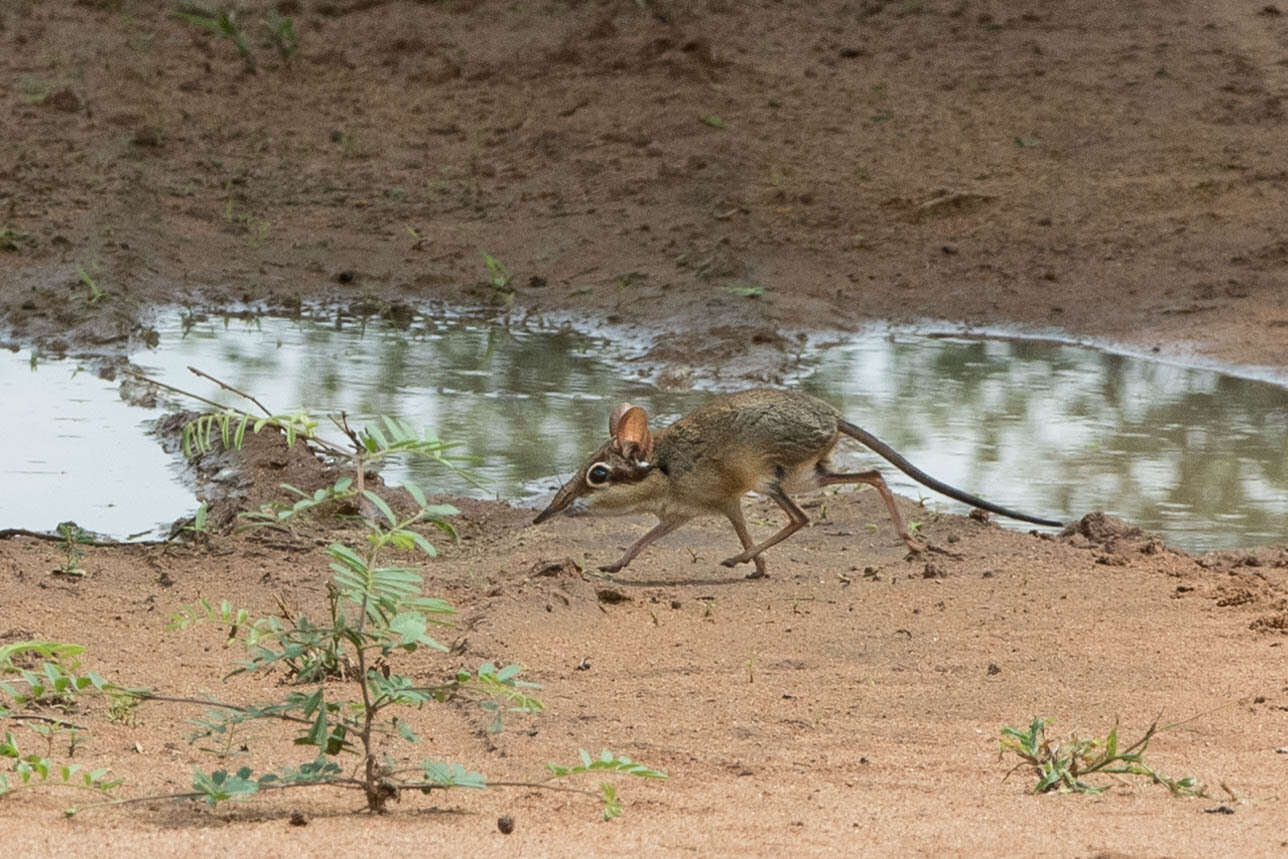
column 631, row 436
column 616, row 418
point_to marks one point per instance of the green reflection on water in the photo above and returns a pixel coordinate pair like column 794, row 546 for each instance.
column 1050, row 428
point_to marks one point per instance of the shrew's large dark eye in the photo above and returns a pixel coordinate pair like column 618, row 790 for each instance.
column 597, row 474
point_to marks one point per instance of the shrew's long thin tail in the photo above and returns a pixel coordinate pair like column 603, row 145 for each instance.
column 897, row 459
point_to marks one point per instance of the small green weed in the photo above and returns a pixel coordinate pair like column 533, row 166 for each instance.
column 746, row 290
column 73, row 539
column 1063, row 767
column 498, row 275
column 96, row 292
column 281, row 34
column 198, row 525
column 11, row 240
column 606, row 762
column 224, row 25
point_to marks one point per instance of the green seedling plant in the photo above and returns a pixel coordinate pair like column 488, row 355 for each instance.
column 498, row 274
column 70, row 545
column 56, row 731
column 1064, row 767
column 279, row 515
column 224, row 25
column 281, row 34
column 746, row 290
column 198, row 526
column 11, row 240
column 96, row 292
column 376, row 611
column 606, row 762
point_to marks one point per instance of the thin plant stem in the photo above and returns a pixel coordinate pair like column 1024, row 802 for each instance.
column 227, row 387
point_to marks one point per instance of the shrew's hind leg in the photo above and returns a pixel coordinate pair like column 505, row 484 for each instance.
column 873, row 478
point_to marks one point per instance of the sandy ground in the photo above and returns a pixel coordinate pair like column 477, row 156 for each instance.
column 1081, row 169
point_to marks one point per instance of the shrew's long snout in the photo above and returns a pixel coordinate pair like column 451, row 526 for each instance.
column 564, row 497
